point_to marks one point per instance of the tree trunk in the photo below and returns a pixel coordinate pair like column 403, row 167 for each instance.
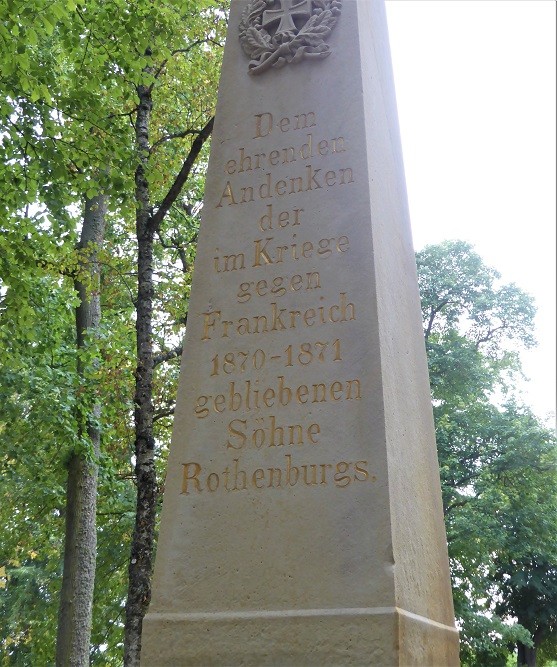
column 526, row 656
column 80, row 549
column 141, row 560
column 143, row 541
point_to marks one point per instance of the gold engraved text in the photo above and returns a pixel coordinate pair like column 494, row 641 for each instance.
column 267, row 222
column 268, row 433
column 234, row 478
column 247, row 395
column 303, row 354
column 279, row 286
column 312, row 179
column 267, row 251
column 311, row 148
column 278, row 319
column 264, row 123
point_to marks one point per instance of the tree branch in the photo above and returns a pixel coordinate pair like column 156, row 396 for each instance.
column 163, row 413
column 167, row 355
column 168, row 137
column 182, row 176
column 162, row 66
column 432, row 315
column 489, row 335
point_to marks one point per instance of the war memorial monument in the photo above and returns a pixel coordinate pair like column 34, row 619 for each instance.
column 302, row 521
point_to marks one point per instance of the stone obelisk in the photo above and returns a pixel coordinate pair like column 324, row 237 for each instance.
column 302, row 520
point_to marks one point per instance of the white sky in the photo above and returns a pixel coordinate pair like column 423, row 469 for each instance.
column 475, row 84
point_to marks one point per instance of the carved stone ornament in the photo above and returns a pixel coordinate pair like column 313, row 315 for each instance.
column 273, row 32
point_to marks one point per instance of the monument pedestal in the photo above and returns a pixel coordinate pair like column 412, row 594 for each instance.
column 380, row 637
column 302, row 520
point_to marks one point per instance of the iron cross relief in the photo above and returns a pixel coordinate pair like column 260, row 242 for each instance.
column 286, row 13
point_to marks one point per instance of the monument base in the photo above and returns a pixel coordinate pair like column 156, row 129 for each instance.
column 378, row 637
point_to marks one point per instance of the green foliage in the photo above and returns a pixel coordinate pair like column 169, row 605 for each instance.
column 459, row 293
column 37, row 426
column 492, row 639
column 70, row 73
column 497, row 461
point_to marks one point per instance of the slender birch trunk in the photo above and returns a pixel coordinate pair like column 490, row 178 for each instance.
column 141, row 565
column 147, row 223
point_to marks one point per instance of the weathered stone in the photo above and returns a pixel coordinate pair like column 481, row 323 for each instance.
column 302, row 520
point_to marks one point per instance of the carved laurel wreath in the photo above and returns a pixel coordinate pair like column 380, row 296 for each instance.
column 268, row 51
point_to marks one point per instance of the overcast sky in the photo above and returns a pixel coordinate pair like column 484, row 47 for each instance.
column 475, row 84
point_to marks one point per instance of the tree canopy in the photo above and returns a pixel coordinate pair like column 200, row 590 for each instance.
column 497, row 460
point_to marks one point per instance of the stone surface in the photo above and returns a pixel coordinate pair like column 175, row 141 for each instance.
column 302, row 520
